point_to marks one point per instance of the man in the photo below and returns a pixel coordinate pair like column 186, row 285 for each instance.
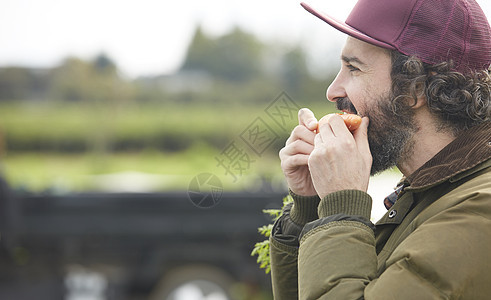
column 417, row 72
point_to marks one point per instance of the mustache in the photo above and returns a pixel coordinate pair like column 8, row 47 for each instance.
column 345, row 104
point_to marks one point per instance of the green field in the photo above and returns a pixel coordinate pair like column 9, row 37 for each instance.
column 78, row 146
column 112, row 172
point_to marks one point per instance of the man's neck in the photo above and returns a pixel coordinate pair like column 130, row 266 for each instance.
column 425, row 144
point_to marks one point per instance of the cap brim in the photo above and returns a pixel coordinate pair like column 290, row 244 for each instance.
column 343, row 27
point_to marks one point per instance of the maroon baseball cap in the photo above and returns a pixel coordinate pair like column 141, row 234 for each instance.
column 432, row 30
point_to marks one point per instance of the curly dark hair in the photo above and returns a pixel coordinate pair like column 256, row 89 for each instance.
column 459, row 100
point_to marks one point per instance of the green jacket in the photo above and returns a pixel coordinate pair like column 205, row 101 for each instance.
column 433, row 243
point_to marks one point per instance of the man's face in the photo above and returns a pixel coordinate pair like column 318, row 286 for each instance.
column 363, row 86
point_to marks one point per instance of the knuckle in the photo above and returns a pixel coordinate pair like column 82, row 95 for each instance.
column 316, row 154
column 296, row 160
column 281, row 152
column 298, row 129
column 348, row 144
column 329, row 152
column 298, row 132
column 296, row 145
column 292, row 147
column 286, row 162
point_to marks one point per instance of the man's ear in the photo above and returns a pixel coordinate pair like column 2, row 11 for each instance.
column 420, row 102
column 418, row 96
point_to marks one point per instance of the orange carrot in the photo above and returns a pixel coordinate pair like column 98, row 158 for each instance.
column 352, row 121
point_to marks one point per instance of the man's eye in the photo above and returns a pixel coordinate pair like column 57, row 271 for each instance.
column 352, row 68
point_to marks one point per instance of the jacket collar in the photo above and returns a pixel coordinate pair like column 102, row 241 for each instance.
column 457, row 160
column 470, row 148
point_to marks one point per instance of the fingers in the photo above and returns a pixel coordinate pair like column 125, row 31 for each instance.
column 292, row 162
column 301, row 132
column 334, row 126
column 318, row 140
column 295, row 154
column 297, row 147
column 306, row 118
column 301, row 141
column 334, row 131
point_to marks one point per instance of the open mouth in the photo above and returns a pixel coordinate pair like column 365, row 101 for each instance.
column 346, row 111
column 345, row 105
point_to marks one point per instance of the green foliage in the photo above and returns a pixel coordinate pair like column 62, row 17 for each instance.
column 294, row 70
column 103, row 64
column 94, row 81
column 17, row 83
column 261, row 249
column 76, row 127
column 235, row 56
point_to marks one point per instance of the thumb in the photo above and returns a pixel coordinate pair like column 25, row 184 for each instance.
column 306, row 118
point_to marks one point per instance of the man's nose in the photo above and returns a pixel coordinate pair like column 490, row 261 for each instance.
column 336, row 89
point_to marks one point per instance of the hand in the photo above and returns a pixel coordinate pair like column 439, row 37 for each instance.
column 295, row 155
column 340, row 160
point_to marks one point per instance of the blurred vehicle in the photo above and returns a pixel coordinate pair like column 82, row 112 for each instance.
column 131, row 246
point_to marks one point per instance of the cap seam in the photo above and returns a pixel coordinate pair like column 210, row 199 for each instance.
column 446, row 27
column 409, row 19
column 466, row 34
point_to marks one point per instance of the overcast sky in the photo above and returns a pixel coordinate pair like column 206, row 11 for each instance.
column 148, row 37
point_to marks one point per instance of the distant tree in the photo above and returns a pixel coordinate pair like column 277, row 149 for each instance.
column 97, row 80
column 294, row 71
column 14, row 83
column 72, row 80
column 235, row 56
column 20, row 83
column 103, row 64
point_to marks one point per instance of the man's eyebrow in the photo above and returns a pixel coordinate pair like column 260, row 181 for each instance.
column 350, row 59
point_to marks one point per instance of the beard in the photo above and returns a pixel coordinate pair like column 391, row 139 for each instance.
column 390, row 130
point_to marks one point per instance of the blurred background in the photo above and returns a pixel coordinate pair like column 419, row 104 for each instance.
column 116, row 115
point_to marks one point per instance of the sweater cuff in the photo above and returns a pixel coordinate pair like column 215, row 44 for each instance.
column 348, row 202
column 304, row 208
